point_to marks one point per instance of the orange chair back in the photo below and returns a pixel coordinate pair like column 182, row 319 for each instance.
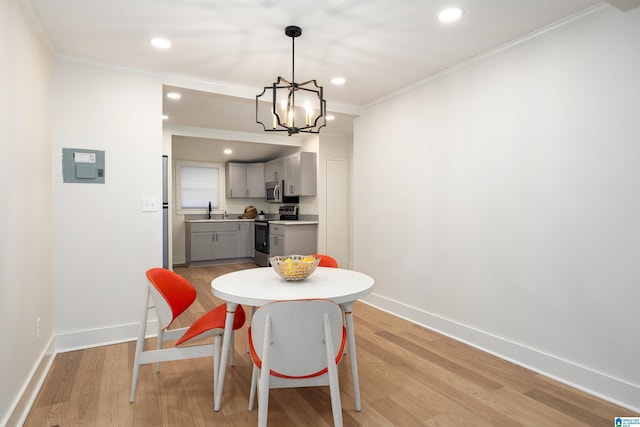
column 326, row 261
column 176, row 291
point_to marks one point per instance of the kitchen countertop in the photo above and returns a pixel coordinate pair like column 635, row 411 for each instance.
column 278, row 222
column 219, row 220
column 290, row 222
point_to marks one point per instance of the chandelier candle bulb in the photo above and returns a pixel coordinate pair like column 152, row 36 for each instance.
column 309, row 113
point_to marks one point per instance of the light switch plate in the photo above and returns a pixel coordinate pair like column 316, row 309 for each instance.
column 149, row 204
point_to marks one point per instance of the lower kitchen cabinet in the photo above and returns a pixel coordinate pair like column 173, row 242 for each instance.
column 293, row 239
column 208, row 242
column 246, row 243
column 225, row 244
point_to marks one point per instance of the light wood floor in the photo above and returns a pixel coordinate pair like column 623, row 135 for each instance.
column 409, row 376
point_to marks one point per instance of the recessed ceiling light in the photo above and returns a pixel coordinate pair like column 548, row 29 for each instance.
column 227, row 151
column 165, row 117
column 450, row 15
column 160, row 43
column 338, row 80
column 174, row 95
column 330, row 117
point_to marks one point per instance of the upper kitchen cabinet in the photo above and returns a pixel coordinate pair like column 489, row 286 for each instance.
column 255, row 180
column 274, row 170
column 300, row 174
column 245, row 179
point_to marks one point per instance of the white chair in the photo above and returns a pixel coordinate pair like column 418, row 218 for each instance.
column 172, row 294
column 296, row 344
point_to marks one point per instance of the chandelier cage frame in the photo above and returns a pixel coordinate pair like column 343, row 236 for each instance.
column 283, row 112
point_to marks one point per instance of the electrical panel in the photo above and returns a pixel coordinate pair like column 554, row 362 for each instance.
column 80, row 165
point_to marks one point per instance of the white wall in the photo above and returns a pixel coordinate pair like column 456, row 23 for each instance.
column 26, row 227
column 334, row 208
column 104, row 243
column 520, row 174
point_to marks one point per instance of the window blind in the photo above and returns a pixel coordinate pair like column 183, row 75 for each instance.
column 199, row 186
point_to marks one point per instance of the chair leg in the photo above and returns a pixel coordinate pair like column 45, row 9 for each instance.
column 334, row 385
column 254, row 385
column 139, row 347
column 232, row 352
column 216, row 360
column 265, row 372
column 160, row 344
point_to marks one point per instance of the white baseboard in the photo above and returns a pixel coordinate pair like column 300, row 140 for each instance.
column 603, row 386
column 24, row 400
column 80, row 340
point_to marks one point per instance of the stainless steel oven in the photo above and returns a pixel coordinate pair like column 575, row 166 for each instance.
column 286, row 213
column 262, row 242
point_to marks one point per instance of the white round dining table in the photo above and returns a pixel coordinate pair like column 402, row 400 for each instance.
column 258, row 286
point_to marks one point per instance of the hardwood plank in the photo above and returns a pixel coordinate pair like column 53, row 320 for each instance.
column 568, row 407
column 60, row 381
column 114, row 408
column 87, row 391
column 430, row 380
column 502, row 371
column 442, row 362
column 409, row 375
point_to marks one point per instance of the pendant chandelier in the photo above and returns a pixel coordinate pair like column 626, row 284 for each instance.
column 292, row 107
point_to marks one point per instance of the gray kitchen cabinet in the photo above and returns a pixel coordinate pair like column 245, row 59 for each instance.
column 246, row 243
column 226, row 243
column 244, row 179
column 255, row 180
column 211, row 241
column 300, row 174
column 274, row 170
column 200, row 246
column 236, row 179
column 293, row 239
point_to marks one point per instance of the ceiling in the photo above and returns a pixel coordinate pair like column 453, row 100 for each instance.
column 378, row 46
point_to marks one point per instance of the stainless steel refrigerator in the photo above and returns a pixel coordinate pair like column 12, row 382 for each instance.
column 165, row 212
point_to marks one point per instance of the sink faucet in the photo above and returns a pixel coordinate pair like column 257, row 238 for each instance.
column 209, row 210
column 225, row 214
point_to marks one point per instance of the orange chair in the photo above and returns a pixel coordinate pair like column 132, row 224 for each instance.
column 172, row 294
column 326, row 261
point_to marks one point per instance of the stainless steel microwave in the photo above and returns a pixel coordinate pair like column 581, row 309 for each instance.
column 275, row 193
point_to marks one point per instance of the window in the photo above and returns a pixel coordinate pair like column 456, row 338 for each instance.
column 197, row 184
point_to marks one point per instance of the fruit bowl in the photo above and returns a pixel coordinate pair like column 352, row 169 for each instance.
column 294, row 267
